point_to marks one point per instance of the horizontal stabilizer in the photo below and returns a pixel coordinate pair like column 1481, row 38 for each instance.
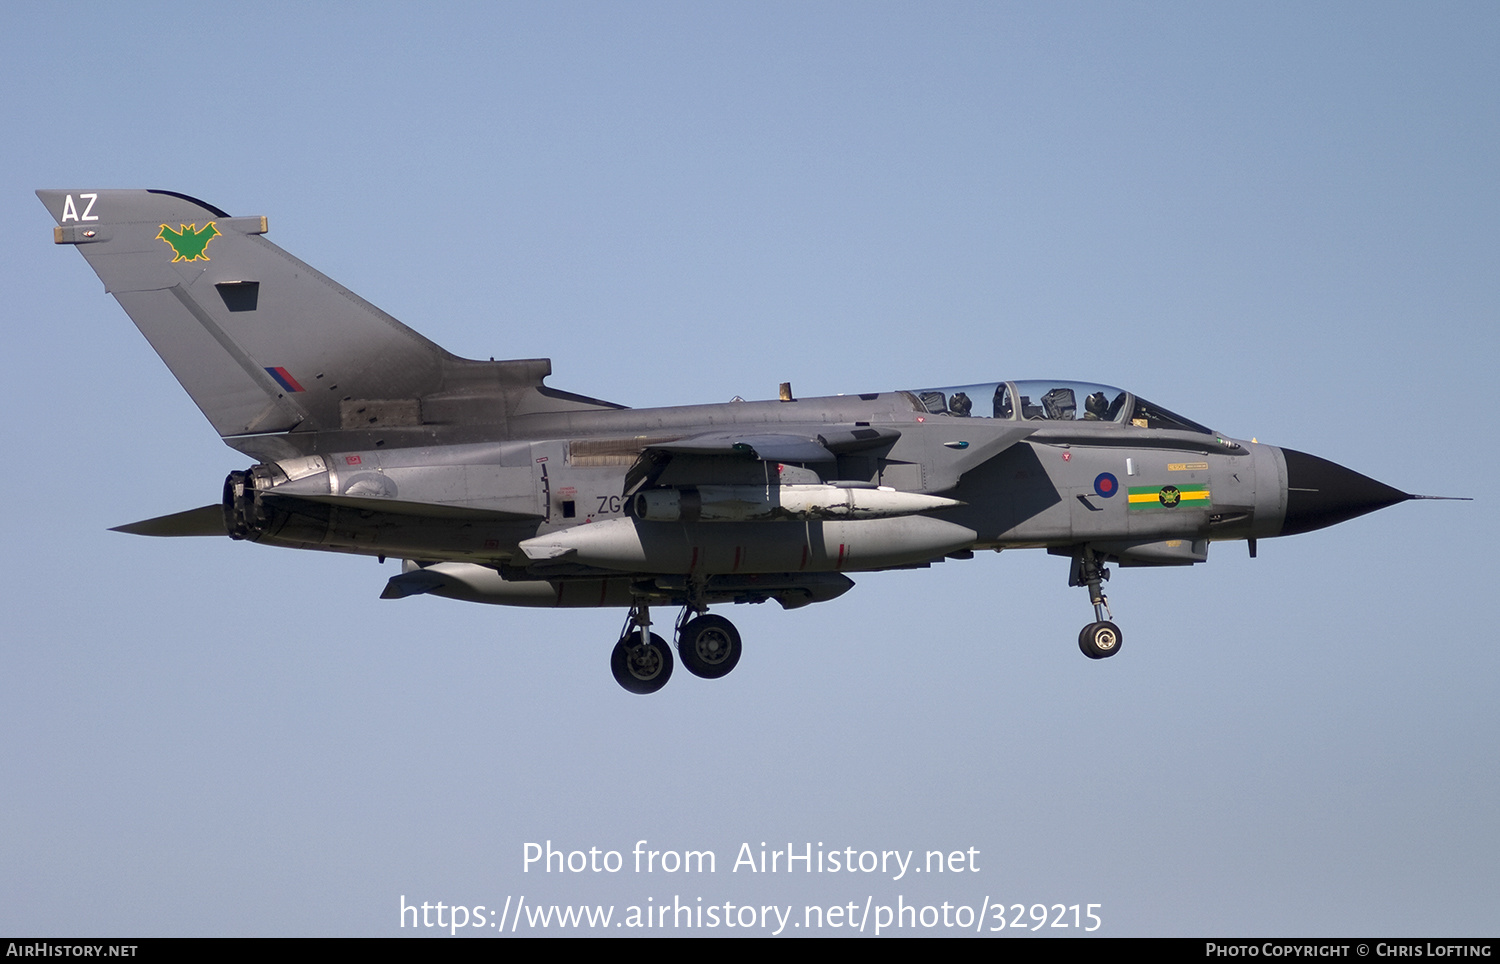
column 205, row 521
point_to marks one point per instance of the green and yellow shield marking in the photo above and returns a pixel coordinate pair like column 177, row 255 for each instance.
column 188, row 242
column 1193, row 496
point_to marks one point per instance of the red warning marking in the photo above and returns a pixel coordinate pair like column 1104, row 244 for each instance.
column 351, row 460
column 841, row 557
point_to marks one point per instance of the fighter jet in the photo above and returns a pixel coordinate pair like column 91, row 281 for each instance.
column 494, row 487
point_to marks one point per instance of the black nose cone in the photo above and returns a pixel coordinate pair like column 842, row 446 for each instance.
column 1321, row 493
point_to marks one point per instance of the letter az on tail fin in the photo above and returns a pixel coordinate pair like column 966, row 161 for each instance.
column 282, row 360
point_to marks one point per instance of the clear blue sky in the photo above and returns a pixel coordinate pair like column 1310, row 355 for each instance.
column 1278, row 219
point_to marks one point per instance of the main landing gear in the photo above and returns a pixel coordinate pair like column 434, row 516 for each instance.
column 1101, row 638
column 641, row 666
column 709, row 645
column 642, row 661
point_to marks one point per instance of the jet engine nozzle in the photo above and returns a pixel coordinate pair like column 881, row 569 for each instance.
column 245, row 515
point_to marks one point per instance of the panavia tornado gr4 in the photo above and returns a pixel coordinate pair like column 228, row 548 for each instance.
column 496, row 488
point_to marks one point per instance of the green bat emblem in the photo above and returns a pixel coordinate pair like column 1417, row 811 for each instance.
column 189, row 242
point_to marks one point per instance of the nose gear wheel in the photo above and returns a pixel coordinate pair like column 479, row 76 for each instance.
column 1100, row 640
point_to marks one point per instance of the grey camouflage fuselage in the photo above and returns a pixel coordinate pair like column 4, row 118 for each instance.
column 496, row 488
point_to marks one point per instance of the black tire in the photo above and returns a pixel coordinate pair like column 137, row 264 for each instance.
column 709, row 646
column 1083, row 641
column 1100, row 640
column 641, row 668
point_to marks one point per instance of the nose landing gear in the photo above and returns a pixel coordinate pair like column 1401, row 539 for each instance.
column 1101, row 638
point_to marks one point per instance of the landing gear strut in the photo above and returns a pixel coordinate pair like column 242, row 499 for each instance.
column 642, row 660
column 1101, row 638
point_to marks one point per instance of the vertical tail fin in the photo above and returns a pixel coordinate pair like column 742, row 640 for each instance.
column 261, row 341
column 281, row 359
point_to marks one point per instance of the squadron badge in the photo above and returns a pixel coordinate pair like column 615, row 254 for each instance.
column 188, row 243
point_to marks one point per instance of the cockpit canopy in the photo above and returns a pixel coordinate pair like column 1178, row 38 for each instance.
column 1051, row 400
